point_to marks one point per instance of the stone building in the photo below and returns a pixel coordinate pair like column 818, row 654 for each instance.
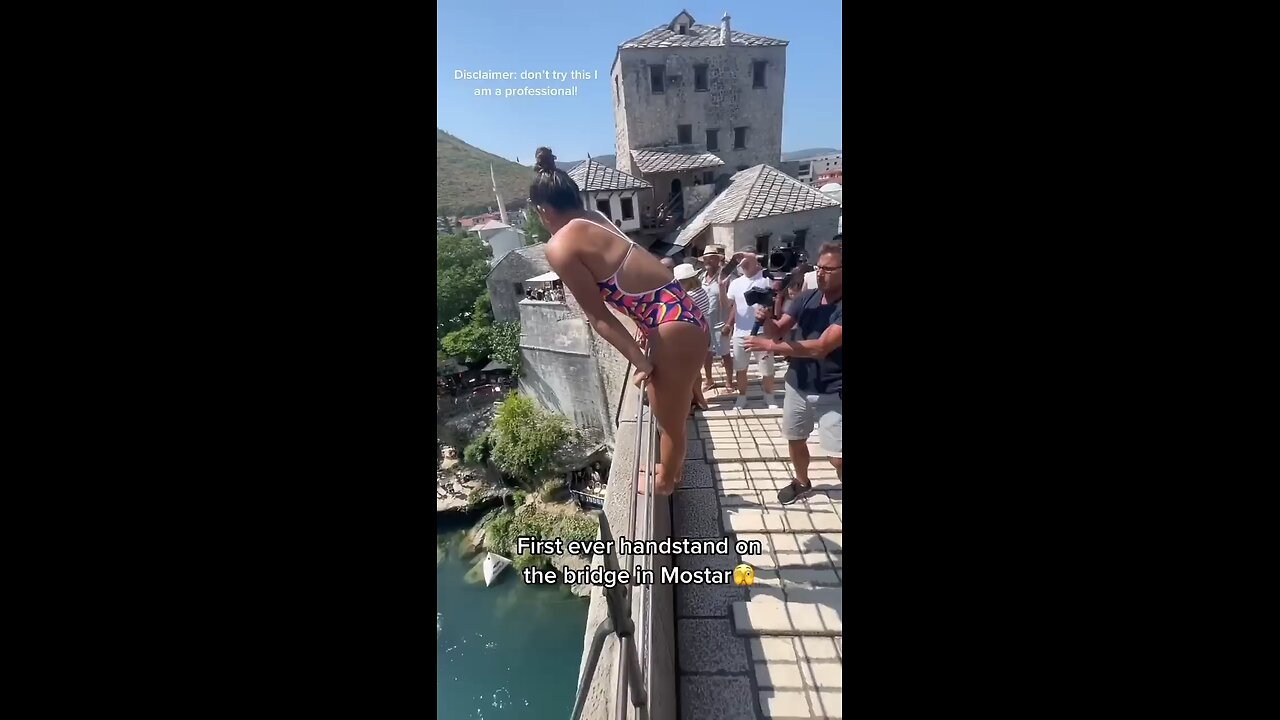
column 695, row 103
column 500, row 237
column 761, row 206
column 566, row 366
column 506, row 280
column 817, row 170
column 621, row 197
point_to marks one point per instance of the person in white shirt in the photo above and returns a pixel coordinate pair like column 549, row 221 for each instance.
column 744, row 320
column 716, row 277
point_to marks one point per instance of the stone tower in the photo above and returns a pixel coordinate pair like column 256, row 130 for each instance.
column 684, row 89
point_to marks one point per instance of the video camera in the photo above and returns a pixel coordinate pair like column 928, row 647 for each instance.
column 783, row 260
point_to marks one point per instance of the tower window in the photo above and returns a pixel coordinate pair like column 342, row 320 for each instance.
column 700, row 78
column 628, row 209
column 684, row 134
column 757, row 74
column 603, row 207
column 739, row 138
column 713, row 140
column 656, row 78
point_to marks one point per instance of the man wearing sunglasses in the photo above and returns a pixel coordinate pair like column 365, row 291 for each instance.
column 814, row 390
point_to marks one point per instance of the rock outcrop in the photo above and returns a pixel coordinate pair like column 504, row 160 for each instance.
column 577, row 562
column 459, row 489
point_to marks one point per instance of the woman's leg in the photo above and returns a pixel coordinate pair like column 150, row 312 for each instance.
column 675, row 371
column 699, row 401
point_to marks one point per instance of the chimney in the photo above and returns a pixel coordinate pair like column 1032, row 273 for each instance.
column 724, row 29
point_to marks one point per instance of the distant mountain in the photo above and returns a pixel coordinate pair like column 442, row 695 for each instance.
column 811, row 152
column 609, row 161
column 463, row 186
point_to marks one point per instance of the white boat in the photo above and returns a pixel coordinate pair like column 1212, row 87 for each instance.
column 493, row 566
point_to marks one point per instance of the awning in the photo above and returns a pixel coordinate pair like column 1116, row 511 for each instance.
column 544, row 277
column 494, row 365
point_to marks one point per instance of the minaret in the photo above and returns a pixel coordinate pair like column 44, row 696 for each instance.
column 502, row 209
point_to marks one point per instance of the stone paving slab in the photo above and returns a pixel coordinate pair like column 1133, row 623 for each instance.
column 695, row 514
column 696, row 475
column 769, row 617
column 711, row 697
column 707, row 600
column 708, row 645
column 826, row 704
column 784, row 653
column 787, row 705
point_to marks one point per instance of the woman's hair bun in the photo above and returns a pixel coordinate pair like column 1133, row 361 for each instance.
column 545, row 162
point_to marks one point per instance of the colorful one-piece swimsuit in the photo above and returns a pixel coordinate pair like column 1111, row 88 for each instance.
column 668, row 303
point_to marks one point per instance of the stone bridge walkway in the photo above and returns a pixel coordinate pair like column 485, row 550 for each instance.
column 773, row 650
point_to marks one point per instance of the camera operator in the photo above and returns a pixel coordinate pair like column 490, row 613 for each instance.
column 752, row 277
column 814, row 387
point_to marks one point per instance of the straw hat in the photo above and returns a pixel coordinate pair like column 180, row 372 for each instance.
column 717, row 250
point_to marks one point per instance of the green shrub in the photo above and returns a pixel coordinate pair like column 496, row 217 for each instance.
column 478, row 451
column 530, row 560
column 520, row 497
column 525, row 438
column 551, row 489
column 497, row 535
column 533, row 523
column 577, row 527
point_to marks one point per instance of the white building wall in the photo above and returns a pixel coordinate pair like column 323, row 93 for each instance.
column 817, row 166
column 639, row 199
column 821, row 226
column 504, row 241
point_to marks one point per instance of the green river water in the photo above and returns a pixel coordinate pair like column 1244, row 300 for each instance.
column 507, row 651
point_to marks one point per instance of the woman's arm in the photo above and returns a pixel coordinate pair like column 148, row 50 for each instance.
column 578, row 279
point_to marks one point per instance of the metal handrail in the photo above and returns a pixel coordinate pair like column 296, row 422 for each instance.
column 618, row 620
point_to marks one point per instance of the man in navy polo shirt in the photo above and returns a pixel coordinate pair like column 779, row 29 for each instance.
column 814, row 384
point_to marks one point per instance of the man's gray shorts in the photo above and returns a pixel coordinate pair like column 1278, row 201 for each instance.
column 799, row 415
column 719, row 343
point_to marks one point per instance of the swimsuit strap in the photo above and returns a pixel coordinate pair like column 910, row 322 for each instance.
column 631, row 245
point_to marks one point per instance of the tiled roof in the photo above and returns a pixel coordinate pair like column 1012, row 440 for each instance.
column 656, row 161
column 696, row 36
column 761, row 191
column 591, row 175
column 529, row 252
column 491, row 225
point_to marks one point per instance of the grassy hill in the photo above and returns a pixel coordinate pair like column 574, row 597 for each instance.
column 463, row 186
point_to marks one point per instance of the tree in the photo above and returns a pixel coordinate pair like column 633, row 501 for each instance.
column 504, row 345
column 482, row 311
column 525, row 439
column 462, row 262
column 471, row 342
column 534, row 232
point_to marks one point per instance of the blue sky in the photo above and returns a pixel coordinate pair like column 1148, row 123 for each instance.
column 559, row 35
